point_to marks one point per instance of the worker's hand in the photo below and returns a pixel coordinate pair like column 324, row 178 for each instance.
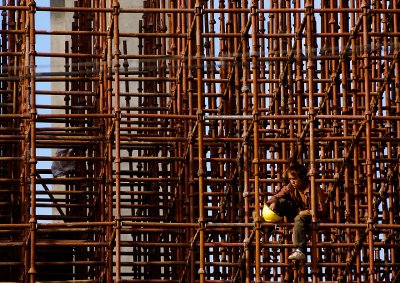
column 304, row 212
column 254, row 214
column 272, row 206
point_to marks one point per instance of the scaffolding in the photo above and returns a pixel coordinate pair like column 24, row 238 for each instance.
column 159, row 142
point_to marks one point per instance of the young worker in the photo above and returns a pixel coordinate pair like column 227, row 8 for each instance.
column 294, row 202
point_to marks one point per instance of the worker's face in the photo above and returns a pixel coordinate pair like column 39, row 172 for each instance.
column 295, row 181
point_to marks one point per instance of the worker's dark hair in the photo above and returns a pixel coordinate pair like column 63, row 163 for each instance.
column 298, row 169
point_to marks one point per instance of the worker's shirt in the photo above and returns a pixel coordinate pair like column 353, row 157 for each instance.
column 302, row 199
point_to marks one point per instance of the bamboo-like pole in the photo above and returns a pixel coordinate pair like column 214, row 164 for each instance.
column 117, row 122
column 256, row 114
column 108, row 102
column 368, row 126
column 200, row 134
column 246, row 156
column 310, row 43
column 31, row 84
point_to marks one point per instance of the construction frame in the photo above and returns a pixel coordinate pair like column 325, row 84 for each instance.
column 156, row 145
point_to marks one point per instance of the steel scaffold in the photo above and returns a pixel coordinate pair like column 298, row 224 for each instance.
column 168, row 123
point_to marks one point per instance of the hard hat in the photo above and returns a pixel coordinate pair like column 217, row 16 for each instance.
column 269, row 215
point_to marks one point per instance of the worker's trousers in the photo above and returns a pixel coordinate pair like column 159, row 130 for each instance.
column 302, row 222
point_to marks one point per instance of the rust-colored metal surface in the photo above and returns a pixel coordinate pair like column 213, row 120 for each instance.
column 142, row 153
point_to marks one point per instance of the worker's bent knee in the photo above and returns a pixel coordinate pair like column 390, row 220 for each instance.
column 304, row 218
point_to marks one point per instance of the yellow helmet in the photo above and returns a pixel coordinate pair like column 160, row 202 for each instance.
column 269, row 215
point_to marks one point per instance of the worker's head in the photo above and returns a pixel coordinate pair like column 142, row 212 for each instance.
column 296, row 175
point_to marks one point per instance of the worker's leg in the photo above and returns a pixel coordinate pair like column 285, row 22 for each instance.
column 301, row 226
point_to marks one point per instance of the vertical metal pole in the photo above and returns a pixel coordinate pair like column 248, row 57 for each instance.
column 368, row 115
column 109, row 126
column 117, row 160
column 101, row 43
column 246, row 169
column 356, row 163
column 256, row 116
column 32, row 159
column 25, row 148
column 396, row 124
column 190, row 127
column 309, row 6
column 200, row 121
